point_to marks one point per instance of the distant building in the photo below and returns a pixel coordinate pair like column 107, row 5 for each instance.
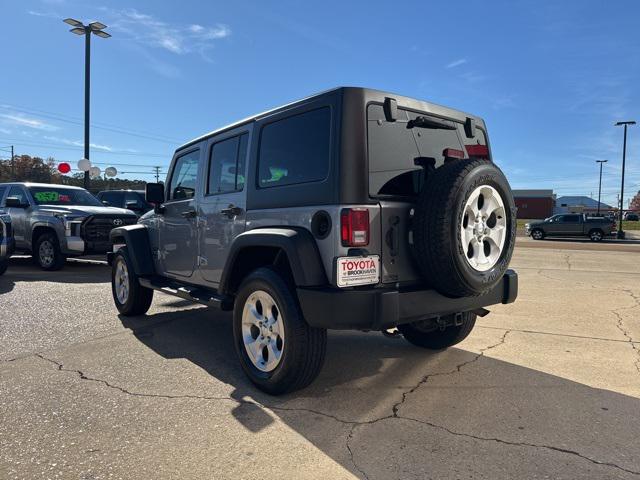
column 534, row 203
column 580, row 204
column 634, row 205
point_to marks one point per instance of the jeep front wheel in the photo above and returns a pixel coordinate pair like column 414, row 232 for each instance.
column 277, row 349
column 427, row 334
column 130, row 297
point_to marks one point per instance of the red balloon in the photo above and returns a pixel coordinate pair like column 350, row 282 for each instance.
column 64, row 168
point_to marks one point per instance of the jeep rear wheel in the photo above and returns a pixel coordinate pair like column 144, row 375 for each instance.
column 276, row 347
column 464, row 227
column 427, row 334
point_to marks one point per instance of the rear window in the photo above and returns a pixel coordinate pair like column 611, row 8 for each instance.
column 295, row 149
column 394, row 148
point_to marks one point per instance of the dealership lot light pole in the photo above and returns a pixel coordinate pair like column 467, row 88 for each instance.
column 600, row 184
column 79, row 28
column 624, row 156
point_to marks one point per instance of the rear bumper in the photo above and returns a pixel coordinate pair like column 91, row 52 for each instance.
column 376, row 308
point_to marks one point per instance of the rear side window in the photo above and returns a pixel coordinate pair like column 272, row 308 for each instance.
column 295, row 149
column 570, row 219
column 226, row 165
column 184, row 177
column 2, row 190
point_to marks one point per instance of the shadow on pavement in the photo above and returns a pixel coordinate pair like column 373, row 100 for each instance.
column 22, row 269
column 511, row 419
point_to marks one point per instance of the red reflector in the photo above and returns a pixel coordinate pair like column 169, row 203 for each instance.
column 354, row 227
column 477, row 151
column 452, row 153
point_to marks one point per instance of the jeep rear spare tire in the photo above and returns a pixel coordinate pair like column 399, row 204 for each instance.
column 464, row 227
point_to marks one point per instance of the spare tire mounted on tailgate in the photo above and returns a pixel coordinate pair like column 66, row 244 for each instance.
column 464, row 227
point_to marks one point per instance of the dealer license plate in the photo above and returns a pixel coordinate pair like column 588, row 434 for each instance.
column 358, row 270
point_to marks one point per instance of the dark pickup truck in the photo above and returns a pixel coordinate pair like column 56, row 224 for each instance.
column 571, row 225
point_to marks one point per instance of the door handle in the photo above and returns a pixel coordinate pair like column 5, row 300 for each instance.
column 231, row 211
column 191, row 213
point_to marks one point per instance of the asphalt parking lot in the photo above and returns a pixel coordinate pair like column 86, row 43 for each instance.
column 548, row 387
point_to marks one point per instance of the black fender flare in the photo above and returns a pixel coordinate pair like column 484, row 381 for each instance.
column 136, row 237
column 297, row 243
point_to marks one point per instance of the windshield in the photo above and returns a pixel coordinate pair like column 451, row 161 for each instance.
column 63, row 196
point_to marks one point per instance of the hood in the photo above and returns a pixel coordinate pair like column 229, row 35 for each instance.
column 84, row 211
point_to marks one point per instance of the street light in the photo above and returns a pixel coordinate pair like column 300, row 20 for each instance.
column 79, row 28
column 624, row 156
column 600, row 184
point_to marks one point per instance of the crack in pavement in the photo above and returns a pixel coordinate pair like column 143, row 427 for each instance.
column 625, row 332
column 394, row 415
column 557, row 334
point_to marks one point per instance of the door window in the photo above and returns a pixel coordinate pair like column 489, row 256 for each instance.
column 19, row 193
column 226, row 165
column 569, row 219
column 184, row 177
column 2, row 190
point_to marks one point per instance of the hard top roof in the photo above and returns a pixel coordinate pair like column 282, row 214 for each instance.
column 403, row 101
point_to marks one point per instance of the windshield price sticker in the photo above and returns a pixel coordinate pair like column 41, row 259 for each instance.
column 47, row 196
column 358, row 270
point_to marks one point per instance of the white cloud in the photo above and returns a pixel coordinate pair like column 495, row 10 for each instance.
column 78, row 143
column 19, row 119
column 456, row 63
column 37, row 13
column 179, row 39
column 6, row 131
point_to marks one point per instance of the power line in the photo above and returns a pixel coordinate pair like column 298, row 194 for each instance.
column 100, row 126
column 110, row 152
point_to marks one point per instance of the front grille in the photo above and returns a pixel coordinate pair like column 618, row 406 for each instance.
column 95, row 230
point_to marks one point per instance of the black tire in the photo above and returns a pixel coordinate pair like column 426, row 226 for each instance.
column 54, row 259
column 4, row 263
column 596, row 235
column 139, row 298
column 438, row 221
column 428, row 335
column 537, row 234
column 304, row 347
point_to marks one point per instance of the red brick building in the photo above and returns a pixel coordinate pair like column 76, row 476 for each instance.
column 534, row 203
column 634, row 206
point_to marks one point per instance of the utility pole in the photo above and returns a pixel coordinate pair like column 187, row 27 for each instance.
column 157, row 174
column 13, row 166
column 624, row 156
column 80, row 29
column 600, row 184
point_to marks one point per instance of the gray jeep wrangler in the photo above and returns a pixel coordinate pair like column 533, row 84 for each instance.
column 351, row 209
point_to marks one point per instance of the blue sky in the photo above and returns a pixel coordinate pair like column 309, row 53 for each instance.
column 550, row 78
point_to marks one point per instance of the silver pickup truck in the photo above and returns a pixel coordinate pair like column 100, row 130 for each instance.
column 53, row 222
column 571, row 225
column 6, row 241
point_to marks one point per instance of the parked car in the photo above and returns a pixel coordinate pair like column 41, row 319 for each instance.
column 130, row 199
column 52, row 222
column 571, row 225
column 631, row 216
column 351, row 209
column 6, row 241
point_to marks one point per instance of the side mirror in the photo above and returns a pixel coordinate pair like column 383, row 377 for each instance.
column 106, row 203
column 154, row 193
column 14, row 202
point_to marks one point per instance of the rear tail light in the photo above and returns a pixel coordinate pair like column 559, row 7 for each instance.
column 479, row 151
column 452, row 153
column 354, row 227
